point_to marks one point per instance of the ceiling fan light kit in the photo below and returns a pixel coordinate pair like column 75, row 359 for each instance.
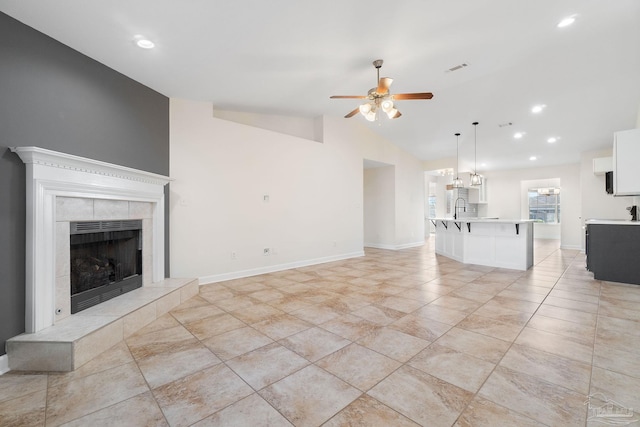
column 379, row 98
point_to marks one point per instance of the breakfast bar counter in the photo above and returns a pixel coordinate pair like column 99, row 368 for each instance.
column 504, row 243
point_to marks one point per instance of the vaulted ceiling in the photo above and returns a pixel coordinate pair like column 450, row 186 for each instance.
column 287, row 57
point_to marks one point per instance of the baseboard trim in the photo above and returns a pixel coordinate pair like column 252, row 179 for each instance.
column 4, row 364
column 273, row 268
column 380, row 246
column 572, row 247
column 394, row 247
column 411, row 245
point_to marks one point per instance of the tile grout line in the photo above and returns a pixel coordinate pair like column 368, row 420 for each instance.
column 477, row 393
column 378, row 261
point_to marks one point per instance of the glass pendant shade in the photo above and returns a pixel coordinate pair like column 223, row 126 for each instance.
column 368, row 111
column 475, row 178
column 387, row 105
column 364, row 109
column 371, row 116
column 457, row 183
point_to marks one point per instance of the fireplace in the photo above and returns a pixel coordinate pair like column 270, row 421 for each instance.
column 105, row 261
column 63, row 188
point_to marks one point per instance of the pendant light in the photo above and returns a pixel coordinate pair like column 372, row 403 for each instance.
column 475, row 178
column 457, row 183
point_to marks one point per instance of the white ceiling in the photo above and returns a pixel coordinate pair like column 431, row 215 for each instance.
column 287, row 57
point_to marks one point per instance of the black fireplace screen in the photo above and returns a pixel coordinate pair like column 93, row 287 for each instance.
column 106, row 261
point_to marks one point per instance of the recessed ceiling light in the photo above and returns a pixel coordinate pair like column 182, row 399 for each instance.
column 567, row 21
column 143, row 42
column 518, row 135
column 483, row 165
column 533, row 158
column 538, row 108
column 552, row 140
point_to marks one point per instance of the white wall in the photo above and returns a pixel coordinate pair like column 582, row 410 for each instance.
column 409, row 201
column 505, row 197
column 222, row 170
column 294, row 126
column 379, row 207
column 352, row 138
column 596, row 203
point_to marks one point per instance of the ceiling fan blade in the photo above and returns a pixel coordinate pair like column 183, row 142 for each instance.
column 383, row 85
column 353, row 113
column 348, row 97
column 424, row 95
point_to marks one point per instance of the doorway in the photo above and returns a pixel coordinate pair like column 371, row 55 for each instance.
column 379, row 205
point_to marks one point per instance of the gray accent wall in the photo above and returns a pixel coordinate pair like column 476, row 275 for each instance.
column 53, row 97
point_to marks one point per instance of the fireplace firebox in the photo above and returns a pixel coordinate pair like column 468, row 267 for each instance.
column 105, row 261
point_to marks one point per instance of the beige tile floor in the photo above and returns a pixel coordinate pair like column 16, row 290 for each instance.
column 395, row 338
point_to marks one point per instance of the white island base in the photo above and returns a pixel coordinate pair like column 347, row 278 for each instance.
column 490, row 242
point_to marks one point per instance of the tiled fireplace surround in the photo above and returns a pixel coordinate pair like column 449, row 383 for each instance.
column 62, row 188
column 70, row 209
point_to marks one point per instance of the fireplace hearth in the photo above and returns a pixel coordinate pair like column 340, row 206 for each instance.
column 105, row 261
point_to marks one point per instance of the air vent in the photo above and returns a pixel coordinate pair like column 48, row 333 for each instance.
column 98, row 226
column 86, row 304
column 112, row 225
column 457, row 67
column 111, row 294
column 85, row 226
column 504, row 125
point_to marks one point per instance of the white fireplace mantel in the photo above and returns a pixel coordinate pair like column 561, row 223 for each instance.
column 51, row 174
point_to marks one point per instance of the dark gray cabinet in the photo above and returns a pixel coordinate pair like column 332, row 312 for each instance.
column 613, row 252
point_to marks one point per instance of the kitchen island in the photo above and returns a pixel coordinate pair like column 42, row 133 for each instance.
column 500, row 243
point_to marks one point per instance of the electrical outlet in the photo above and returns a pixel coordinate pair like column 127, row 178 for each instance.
column 234, row 255
column 266, row 251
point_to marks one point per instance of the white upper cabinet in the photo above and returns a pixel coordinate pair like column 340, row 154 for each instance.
column 626, row 163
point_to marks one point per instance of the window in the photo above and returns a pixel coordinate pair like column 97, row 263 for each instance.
column 431, row 200
column 432, row 206
column 544, row 205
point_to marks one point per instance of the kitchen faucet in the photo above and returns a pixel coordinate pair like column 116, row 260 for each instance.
column 455, row 207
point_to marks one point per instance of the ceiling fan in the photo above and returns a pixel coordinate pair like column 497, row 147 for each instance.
column 379, row 98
